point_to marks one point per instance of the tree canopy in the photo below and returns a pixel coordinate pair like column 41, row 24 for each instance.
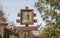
column 50, row 13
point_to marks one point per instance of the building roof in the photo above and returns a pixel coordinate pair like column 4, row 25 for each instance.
column 27, row 28
column 3, row 23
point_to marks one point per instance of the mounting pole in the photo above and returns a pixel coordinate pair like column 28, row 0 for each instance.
column 26, row 25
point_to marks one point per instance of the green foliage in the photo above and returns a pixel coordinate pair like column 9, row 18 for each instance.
column 50, row 12
column 10, row 34
column 13, row 36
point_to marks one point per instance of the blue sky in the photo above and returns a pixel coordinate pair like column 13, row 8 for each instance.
column 12, row 7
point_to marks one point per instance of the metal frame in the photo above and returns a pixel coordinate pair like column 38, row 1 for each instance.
column 27, row 10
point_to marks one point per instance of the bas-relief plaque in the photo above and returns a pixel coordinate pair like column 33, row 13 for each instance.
column 27, row 17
